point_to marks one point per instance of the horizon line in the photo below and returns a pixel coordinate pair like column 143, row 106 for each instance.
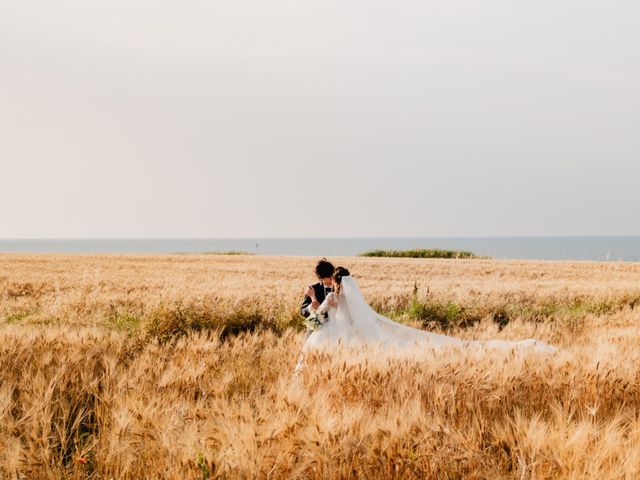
column 317, row 238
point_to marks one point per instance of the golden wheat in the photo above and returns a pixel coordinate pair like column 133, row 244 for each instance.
column 99, row 378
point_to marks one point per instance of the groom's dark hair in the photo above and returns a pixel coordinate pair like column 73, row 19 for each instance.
column 324, row 268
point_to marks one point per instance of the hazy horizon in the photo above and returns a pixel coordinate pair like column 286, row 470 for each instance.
column 339, row 119
column 314, row 238
column 626, row 248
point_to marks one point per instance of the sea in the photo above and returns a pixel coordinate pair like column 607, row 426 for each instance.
column 602, row 249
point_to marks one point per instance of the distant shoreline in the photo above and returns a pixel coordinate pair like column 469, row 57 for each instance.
column 609, row 248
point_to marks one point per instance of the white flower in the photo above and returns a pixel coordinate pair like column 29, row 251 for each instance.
column 315, row 320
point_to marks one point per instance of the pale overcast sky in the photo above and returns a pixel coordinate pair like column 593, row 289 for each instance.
column 141, row 118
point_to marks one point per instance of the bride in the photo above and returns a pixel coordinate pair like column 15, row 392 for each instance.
column 350, row 321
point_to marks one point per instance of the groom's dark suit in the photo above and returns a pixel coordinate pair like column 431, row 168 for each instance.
column 321, row 294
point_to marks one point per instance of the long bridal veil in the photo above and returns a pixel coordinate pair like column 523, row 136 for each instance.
column 370, row 327
column 362, row 324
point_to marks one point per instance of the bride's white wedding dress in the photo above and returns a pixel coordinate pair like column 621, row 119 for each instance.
column 352, row 322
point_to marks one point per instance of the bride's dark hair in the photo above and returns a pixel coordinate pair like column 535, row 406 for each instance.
column 337, row 276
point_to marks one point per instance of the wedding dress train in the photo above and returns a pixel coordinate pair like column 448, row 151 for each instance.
column 352, row 322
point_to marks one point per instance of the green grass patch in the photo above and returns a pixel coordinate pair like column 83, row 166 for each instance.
column 16, row 317
column 421, row 253
column 126, row 322
column 444, row 315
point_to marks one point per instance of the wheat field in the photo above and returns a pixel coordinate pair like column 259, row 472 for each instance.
column 181, row 366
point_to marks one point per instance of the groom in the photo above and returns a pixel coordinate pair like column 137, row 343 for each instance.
column 324, row 272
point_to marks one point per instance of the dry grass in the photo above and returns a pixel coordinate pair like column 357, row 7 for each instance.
column 130, row 367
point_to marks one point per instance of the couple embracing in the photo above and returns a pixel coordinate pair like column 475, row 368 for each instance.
column 337, row 313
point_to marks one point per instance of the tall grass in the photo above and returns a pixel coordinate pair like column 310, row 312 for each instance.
column 129, row 367
column 86, row 404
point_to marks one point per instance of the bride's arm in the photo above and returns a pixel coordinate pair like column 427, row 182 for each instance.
column 329, row 302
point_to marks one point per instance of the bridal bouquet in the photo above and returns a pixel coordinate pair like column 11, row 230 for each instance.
column 315, row 321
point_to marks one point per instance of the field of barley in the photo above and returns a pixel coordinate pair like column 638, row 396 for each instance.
column 181, row 366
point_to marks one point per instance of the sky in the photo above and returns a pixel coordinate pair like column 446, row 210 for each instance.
column 332, row 118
